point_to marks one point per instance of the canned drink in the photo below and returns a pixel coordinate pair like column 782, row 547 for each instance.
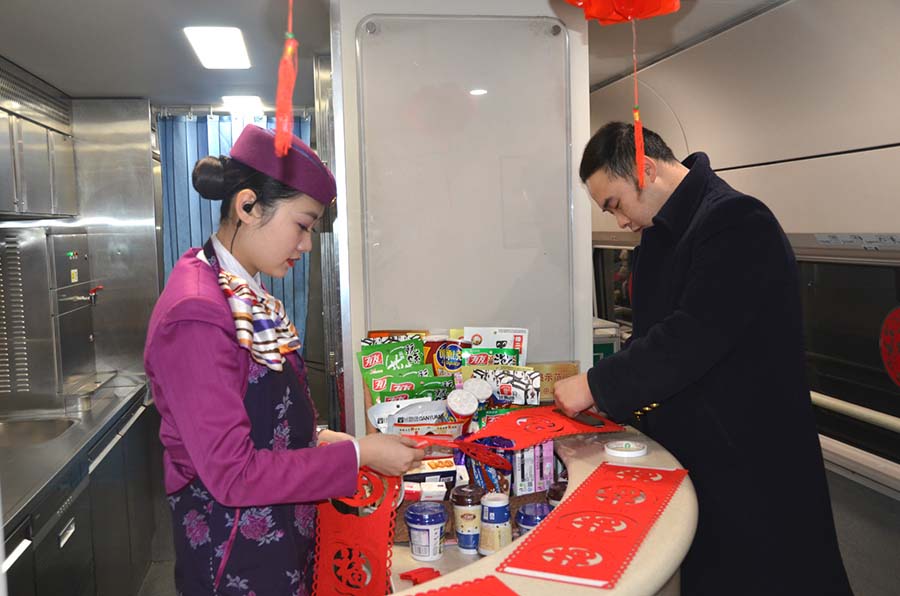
column 466, row 501
column 496, row 529
column 426, row 522
column 530, row 515
column 555, row 493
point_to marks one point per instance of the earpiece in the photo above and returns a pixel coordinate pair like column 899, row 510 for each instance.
column 249, row 207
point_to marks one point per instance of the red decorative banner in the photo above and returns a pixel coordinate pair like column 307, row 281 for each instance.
column 484, row 585
column 354, row 546
column 592, row 536
column 532, row 426
column 890, row 344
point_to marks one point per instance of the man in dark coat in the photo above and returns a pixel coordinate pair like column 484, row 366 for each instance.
column 716, row 356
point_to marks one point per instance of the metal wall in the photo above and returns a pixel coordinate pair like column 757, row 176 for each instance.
column 798, row 104
column 115, row 186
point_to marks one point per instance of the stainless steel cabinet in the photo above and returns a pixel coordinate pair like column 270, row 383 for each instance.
column 20, row 562
column 63, row 554
column 138, row 488
column 109, row 518
column 7, row 171
column 121, row 506
column 33, row 167
column 65, row 197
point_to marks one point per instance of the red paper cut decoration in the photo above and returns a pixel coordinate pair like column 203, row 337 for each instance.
column 287, row 76
column 592, row 536
column 483, row 585
column 532, row 426
column 890, row 344
column 353, row 552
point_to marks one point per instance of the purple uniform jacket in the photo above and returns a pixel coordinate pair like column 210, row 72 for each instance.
column 199, row 375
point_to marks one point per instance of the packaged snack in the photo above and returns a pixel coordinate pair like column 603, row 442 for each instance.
column 391, row 356
column 492, row 356
column 445, row 355
column 468, row 371
column 389, row 380
column 388, row 339
column 499, row 337
column 374, row 333
column 414, row 387
column 543, row 466
column 378, row 413
column 513, row 386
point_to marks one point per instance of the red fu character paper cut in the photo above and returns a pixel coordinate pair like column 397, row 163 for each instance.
column 532, row 426
column 592, row 536
column 353, row 552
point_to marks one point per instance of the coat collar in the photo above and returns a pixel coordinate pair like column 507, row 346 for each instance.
column 677, row 212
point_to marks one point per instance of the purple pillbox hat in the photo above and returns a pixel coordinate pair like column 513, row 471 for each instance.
column 301, row 168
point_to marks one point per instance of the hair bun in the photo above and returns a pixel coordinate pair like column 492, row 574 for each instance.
column 208, row 177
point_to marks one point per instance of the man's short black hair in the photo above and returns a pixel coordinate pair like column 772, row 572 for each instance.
column 611, row 149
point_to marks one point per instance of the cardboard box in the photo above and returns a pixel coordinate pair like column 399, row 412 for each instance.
column 551, row 372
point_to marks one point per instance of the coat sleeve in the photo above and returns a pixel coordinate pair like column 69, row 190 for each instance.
column 196, row 370
column 738, row 257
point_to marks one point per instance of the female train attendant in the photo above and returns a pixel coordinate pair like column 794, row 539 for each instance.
column 242, row 466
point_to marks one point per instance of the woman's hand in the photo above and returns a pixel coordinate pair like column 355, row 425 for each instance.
column 330, row 436
column 391, row 455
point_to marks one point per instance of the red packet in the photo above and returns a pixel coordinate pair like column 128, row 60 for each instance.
column 533, row 426
column 484, row 585
column 592, row 536
column 353, row 553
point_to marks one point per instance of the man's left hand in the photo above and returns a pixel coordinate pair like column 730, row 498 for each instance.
column 573, row 395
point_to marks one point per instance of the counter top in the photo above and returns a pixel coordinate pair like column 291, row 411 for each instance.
column 26, row 471
column 651, row 569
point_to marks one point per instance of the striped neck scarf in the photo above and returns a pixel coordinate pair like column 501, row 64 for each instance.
column 261, row 324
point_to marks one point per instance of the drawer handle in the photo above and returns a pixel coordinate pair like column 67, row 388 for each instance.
column 94, row 464
column 67, row 533
column 14, row 556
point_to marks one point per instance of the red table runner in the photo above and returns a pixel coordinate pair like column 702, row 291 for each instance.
column 592, row 536
column 484, row 585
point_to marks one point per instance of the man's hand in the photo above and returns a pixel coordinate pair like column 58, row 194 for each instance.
column 573, row 395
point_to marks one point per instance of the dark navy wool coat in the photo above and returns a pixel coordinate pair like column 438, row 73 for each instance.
column 718, row 344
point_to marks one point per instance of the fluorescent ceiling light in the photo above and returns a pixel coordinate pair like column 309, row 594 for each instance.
column 478, row 92
column 243, row 103
column 219, row 47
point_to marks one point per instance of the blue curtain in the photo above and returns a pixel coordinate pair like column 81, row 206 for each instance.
column 189, row 220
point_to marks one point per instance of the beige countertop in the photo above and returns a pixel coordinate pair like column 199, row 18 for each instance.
column 656, row 562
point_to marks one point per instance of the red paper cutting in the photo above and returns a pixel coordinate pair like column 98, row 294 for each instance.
column 592, row 536
column 353, row 552
column 890, row 345
column 532, row 426
column 484, row 585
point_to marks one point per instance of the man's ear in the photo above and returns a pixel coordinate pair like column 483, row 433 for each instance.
column 650, row 170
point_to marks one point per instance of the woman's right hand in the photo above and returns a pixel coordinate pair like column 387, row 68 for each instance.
column 391, row 455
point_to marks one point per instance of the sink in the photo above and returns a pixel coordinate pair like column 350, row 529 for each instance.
column 19, row 432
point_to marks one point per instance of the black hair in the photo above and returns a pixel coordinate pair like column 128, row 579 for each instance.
column 611, row 149
column 221, row 178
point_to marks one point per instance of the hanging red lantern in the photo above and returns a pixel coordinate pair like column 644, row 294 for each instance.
column 610, row 12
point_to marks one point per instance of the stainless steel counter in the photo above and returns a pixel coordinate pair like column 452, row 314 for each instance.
column 26, row 470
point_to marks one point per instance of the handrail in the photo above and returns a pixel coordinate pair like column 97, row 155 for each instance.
column 874, row 417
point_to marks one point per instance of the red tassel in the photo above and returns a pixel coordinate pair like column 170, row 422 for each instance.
column 638, row 127
column 639, row 147
column 287, row 76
